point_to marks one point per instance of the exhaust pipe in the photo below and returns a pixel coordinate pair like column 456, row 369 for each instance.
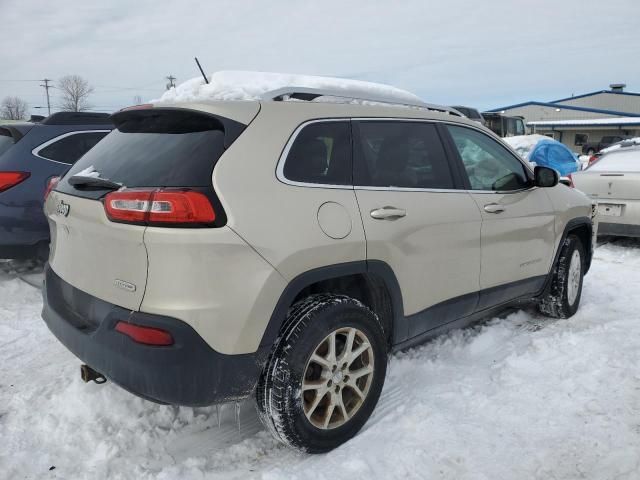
column 88, row 374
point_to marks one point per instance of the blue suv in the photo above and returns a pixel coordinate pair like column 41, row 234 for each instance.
column 31, row 154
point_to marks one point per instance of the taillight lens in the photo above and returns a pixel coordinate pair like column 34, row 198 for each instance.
column 592, row 159
column 11, row 179
column 128, row 206
column 159, row 207
column 145, row 335
column 51, row 184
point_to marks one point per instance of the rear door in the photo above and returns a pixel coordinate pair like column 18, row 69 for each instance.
column 518, row 220
column 417, row 220
column 151, row 150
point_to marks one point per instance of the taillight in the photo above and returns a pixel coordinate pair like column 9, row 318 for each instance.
column 128, row 206
column 51, row 184
column 592, row 159
column 11, row 179
column 145, row 335
column 159, row 207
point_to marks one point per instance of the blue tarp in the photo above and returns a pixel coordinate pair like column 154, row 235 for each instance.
column 552, row 154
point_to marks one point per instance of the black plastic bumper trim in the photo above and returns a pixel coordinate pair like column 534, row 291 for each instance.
column 188, row 373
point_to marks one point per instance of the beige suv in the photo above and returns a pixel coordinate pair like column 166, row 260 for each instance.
column 284, row 248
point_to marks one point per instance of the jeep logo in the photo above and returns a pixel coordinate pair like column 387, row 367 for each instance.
column 63, row 209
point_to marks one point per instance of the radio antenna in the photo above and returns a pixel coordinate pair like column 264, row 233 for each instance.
column 202, row 71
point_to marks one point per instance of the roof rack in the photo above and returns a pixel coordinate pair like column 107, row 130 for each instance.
column 77, row 118
column 310, row 94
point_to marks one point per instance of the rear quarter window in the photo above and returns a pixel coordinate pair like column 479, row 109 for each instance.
column 70, row 147
column 321, row 154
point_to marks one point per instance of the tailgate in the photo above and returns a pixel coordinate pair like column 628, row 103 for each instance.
column 609, row 186
column 104, row 259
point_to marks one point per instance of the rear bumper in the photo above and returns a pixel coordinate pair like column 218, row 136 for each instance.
column 189, row 372
column 620, row 229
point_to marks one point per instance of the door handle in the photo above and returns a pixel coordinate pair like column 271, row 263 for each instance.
column 388, row 213
column 494, row 208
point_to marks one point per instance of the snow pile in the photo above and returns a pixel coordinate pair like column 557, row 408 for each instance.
column 616, row 146
column 243, row 85
column 521, row 397
column 524, row 144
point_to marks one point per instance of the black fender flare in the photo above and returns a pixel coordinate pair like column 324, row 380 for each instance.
column 569, row 227
column 305, row 279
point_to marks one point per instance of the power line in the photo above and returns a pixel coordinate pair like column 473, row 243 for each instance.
column 172, row 82
column 47, row 87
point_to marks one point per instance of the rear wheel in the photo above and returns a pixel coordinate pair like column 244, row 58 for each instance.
column 564, row 295
column 325, row 375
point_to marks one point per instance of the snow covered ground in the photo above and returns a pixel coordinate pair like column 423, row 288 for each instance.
column 522, row 397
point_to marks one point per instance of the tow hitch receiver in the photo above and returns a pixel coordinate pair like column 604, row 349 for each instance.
column 88, row 374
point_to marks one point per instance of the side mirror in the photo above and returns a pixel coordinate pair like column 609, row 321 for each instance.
column 545, row 177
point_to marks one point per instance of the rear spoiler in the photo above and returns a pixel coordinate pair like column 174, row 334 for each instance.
column 14, row 132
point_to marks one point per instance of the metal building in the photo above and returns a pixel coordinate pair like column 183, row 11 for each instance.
column 582, row 118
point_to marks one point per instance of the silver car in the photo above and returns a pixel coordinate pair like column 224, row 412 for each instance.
column 614, row 183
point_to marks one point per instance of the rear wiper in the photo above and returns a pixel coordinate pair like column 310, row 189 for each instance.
column 94, row 182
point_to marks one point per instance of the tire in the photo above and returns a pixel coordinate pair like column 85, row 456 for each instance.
column 308, row 329
column 563, row 297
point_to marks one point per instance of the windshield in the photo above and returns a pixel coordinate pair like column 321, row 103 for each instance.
column 618, row 162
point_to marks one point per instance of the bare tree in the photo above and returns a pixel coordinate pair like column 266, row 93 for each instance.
column 13, row 108
column 137, row 100
column 75, row 91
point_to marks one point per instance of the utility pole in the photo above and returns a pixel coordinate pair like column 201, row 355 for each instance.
column 172, row 82
column 47, row 87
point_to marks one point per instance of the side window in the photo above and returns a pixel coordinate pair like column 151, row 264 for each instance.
column 69, row 149
column 400, row 154
column 321, row 153
column 489, row 165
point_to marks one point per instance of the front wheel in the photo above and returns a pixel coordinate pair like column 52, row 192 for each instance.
column 325, row 375
column 563, row 297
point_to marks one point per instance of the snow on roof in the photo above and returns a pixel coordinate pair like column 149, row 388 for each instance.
column 245, row 85
column 523, row 144
column 588, row 121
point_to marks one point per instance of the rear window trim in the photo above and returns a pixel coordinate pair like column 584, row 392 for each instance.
column 285, row 152
column 36, row 151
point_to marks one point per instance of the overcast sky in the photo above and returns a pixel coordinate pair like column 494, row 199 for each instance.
column 484, row 53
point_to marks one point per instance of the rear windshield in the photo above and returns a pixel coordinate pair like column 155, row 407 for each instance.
column 618, row 162
column 6, row 140
column 156, row 149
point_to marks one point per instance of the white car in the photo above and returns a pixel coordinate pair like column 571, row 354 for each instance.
column 613, row 181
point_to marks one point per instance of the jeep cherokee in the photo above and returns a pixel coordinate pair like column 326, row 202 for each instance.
column 206, row 252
